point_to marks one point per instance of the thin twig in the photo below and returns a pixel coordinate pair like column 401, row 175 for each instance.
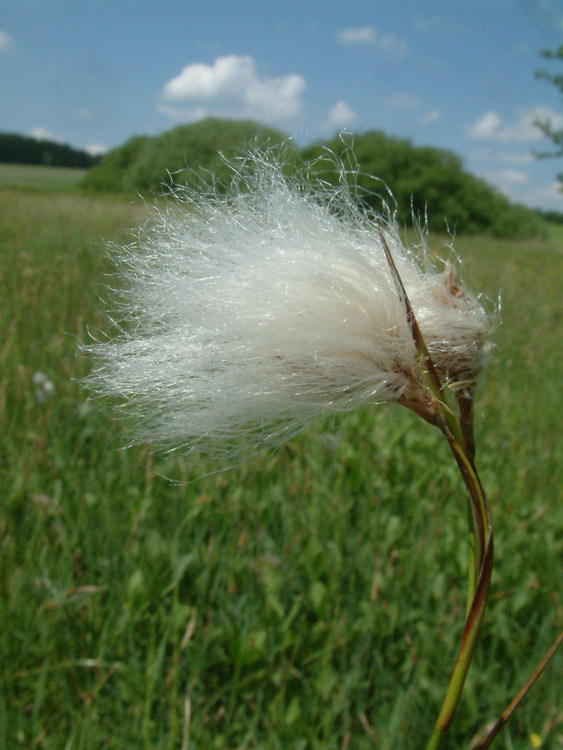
column 484, row 742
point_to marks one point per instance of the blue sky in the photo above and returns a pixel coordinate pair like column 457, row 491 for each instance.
column 457, row 74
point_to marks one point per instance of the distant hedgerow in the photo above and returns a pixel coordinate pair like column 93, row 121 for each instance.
column 426, row 181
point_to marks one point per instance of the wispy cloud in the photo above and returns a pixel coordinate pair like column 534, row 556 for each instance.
column 435, row 23
column 388, row 42
column 340, row 116
column 518, row 185
column 431, row 116
column 486, row 127
column 424, row 23
column 514, row 176
column 96, row 149
column 546, row 14
column 42, row 134
column 402, row 100
column 508, row 157
column 232, row 87
column 361, row 35
column 491, row 126
column 488, row 154
column 6, row 41
column 507, row 181
column 546, row 198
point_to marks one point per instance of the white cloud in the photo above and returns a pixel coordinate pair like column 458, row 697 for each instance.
column 513, row 176
column 185, row 113
column 423, row 23
column 520, row 190
column 232, row 87
column 507, row 181
column 399, row 99
column 435, row 23
column 359, row 35
column 96, row 149
column 480, row 154
column 521, row 49
column 546, row 113
column 340, row 116
column 549, row 198
column 508, row 157
column 42, row 134
column 490, row 154
column 547, row 15
column 84, row 113
column 506, row 170
column 492, row 127
column 389, row 43
column 485, row 127
column 402, row 100
column 431, row 116
column 6, row 41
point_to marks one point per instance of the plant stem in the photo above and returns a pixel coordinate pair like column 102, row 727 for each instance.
column 458, row 430
column 471, row 564
column 480, row 513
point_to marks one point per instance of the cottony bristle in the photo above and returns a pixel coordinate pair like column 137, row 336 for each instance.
column 256, row 311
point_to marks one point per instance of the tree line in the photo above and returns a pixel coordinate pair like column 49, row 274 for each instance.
column 424, row 184
column 22, row 149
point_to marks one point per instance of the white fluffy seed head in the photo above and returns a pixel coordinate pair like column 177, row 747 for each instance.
column 251, row 312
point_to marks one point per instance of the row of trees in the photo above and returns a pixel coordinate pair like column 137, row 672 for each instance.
column 148, row 164
column 423, row 180
column 427, row 184
column 21, row 149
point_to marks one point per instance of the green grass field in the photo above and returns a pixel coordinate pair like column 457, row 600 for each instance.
column 38, row 177
column 310, row 599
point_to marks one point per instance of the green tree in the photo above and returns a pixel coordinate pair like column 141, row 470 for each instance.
column 420, row 183
column 22, row 149
column 147, row 165
column 546, row 126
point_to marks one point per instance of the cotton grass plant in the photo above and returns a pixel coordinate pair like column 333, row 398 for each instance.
column 246, row 311
column 255, row 312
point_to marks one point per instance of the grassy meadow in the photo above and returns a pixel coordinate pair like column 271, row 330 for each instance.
column 37, row 177
column 309, row 599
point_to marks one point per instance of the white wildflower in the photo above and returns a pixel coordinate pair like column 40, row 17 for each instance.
column 44, row 388
column 256, row 311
